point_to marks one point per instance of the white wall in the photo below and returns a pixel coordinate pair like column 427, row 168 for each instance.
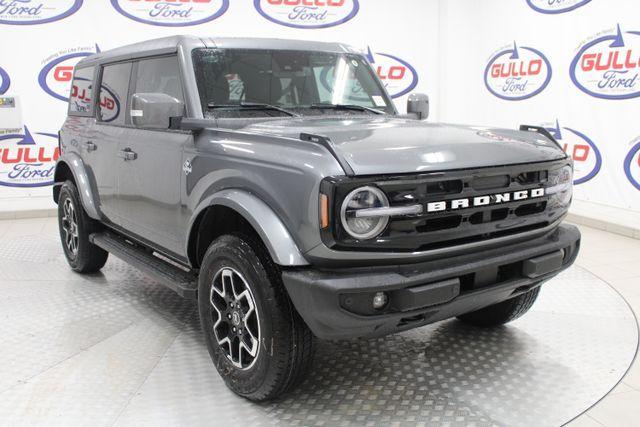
column 448, row 42
column 472, row 31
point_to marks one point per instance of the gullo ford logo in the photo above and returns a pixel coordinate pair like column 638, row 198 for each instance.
column 29, row 12
column 608, row 66
column 556, row 6
column 171, row 13
column 396, row 74
column 632, row 164
column 308, row 13
column 28, row 160
column 5, row 81
column 517, row 73
column 57, row 73
column 587, row 159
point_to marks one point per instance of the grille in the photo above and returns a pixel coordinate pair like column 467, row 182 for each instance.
column 458, row 226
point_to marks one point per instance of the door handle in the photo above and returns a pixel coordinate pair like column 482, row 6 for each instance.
column 127, row 154
column 90, row 146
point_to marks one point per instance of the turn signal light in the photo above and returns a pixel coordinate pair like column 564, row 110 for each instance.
column 324, row 211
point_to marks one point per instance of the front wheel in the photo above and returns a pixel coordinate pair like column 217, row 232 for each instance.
column 75, row 227
column 502, row 312
column 258, row 342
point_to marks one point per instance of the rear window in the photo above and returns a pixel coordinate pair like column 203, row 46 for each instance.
column 114, row 91
column 81, row 97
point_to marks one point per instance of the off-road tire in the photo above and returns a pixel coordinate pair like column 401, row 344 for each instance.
column 88, row 258
column 502, row 312
column 286, row 345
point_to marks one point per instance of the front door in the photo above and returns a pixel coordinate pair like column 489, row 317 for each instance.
column 149, row 163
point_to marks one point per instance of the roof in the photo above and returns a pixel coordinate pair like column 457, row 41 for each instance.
column 172, row 44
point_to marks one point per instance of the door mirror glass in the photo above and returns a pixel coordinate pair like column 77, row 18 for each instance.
column 418, row 105
column 154, row 110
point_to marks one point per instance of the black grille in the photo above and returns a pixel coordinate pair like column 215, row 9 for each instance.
column 453, row 226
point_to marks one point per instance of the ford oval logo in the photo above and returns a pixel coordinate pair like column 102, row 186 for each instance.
column 28, row 161
column 608, row 67
column 5, row 81
column 31, row 12
column 518, row 73
column 632, row 165
column 55, row 77
column 587, row 159
column 308, row 14
column 556, row 6
column 172, row 13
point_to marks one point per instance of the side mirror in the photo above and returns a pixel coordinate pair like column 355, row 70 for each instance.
column 155, row 110
column 418, row 105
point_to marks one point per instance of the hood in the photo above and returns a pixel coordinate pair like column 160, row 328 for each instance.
column 383, row 145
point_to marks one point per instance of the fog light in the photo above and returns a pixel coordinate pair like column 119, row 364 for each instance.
column 380, row 299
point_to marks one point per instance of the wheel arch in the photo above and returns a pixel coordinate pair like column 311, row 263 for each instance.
column 71, row 167
column 237, row 210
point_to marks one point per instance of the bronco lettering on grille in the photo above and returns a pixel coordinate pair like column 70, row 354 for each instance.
column 492, row 199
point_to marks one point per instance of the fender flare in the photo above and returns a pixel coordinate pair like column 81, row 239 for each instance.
column 272, row 231
column 78, row 169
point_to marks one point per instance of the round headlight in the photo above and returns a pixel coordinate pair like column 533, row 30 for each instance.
column 364, row 227
column 561, row 187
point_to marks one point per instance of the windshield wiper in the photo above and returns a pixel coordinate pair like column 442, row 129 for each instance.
column 251, row 106
column 346, row 107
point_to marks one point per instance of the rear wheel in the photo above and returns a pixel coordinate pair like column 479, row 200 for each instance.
column 258, row 342
column 502, row 312
column 75, row 227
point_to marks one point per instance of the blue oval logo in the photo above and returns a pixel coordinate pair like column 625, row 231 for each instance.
column 28, row 161
column 587, row 160
column 518, row 73
column 171, row 13
column 556, row 6
column 632, row 165
column 5, row 81
column 55, row 77
column 609, row 66
column 308, row 14
column 33, row 12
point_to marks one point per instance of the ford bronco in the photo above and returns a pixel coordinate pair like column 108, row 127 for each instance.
column 275, row 182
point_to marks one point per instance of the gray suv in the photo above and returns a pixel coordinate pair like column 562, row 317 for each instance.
column 274, row 182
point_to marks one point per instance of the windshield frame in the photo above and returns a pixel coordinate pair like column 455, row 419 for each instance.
column 388, row 109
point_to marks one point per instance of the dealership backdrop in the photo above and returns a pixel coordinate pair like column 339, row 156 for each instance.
column 569, row 65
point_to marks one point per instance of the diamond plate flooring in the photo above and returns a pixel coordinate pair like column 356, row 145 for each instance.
column 117, row 348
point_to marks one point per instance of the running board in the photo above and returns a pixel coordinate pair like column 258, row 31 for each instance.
column 180, row 281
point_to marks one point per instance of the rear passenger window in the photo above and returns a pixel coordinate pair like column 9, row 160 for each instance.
column 80, row 99
column 114, row 90
column 159, row 75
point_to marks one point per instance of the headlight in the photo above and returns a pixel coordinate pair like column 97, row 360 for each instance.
column 561, row 188
column 364, row 227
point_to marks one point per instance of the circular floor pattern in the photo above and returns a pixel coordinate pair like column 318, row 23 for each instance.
column 117, row 348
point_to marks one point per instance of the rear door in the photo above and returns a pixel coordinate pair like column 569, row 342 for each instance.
column 149, row 183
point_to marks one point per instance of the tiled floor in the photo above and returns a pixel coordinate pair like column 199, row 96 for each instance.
column 613, row 258
column 610, row 256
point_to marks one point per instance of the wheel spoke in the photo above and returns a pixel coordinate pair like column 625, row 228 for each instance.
column 236, row 324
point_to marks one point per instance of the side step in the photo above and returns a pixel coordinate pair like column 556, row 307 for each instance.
column 180, row 281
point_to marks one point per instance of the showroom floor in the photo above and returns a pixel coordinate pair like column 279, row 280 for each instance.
column 116, row 348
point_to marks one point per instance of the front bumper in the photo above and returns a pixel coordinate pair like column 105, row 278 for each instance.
column 331, row 301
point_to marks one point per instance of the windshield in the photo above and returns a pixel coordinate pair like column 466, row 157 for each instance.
column 260, row 82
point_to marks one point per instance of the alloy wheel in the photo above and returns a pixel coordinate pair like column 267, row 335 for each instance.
column 70, row 227
column 235, row 316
